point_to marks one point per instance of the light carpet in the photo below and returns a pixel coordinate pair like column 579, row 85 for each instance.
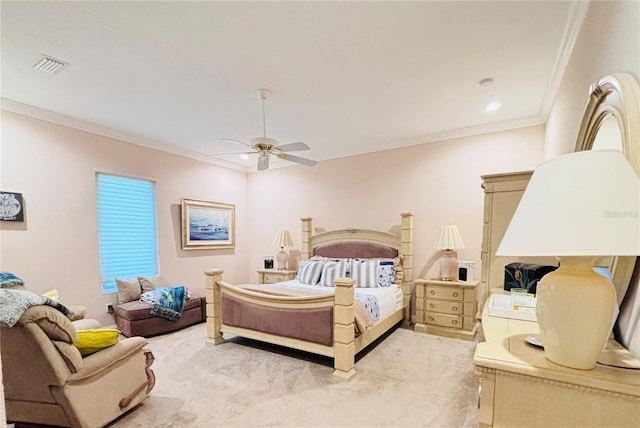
column 407, row 380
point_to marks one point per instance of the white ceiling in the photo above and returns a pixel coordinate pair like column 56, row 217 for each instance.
column 346, row 77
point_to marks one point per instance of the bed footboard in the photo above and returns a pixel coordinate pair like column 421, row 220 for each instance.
column 343, row 348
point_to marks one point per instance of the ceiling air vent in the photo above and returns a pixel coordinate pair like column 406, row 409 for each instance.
column 49, row 65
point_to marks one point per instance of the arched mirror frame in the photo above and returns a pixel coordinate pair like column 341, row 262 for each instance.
column 616, row 95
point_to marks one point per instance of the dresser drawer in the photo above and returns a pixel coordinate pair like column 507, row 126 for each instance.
column 271, row 278
column 445, row 293
column 444, row 306
column 444, row 320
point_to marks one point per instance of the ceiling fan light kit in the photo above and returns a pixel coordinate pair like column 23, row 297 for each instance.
column 265, row 146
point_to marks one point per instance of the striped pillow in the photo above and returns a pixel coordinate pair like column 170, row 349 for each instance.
column 365, row 272
column 309, row 271
column 331, row 271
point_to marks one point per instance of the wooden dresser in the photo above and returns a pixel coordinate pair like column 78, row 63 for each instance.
column 447, row 308
column 519, row 387
column 502, row 194
column 271, row 276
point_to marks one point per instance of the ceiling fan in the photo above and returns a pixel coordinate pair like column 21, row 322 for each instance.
column 265, row 147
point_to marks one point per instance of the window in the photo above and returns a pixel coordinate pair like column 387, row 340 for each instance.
column 127, row 228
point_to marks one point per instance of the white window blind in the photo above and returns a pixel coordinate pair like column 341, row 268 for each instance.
column 127, row 228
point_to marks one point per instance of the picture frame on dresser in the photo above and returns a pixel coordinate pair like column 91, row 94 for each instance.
column 207, row 225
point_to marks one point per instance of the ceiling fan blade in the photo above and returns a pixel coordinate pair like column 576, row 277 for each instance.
column 232, row 153
column 229, row 140
column 297, row 159
column 263, row 162
column 292, row 147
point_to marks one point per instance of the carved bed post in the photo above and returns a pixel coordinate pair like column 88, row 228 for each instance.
column 343, row 328
column 306, row 238
column 406, row 249
column 214, row 308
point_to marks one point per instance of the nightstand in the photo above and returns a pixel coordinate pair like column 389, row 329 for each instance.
column 271, row 276
column 446, row 308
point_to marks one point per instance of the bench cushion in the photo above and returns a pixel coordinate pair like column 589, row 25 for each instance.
column 134, row 318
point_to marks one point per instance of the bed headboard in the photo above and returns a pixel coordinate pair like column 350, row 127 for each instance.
column 363, row 243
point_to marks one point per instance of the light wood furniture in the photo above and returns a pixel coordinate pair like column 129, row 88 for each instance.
column 502, row 194
column 402, row 242
column 345, row 345
column 519, row 387
column 447, row 308
column 271, row 276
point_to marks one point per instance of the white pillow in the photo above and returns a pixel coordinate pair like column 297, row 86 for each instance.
column 365, row 272
column 332, row 270
column 309, row 271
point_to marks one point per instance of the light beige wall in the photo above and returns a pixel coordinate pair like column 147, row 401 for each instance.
column 609, row 42
column 439, row 182
column 57, row 246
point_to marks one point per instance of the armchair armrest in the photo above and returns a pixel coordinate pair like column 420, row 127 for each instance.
column 105, row 359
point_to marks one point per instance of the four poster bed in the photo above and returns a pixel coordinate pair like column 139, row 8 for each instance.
column 352, row 286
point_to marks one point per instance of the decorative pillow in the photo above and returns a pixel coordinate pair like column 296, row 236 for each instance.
column 128, row 290
column 365, row 272
column 331, row 270
column 95, row 339
column 148, row 283
column 9, row 280
column 386, row 273
column 52, row 294
column 309, row 271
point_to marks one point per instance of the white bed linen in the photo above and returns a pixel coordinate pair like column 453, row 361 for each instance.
column 390, row 299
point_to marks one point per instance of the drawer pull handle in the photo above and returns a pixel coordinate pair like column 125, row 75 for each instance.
column 454, row 308
column 432, row 292
column 431, row 305
column 455, row 294
column 454, row 322
column 431, row 319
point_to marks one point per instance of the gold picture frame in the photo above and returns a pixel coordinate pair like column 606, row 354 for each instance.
column 207, row 225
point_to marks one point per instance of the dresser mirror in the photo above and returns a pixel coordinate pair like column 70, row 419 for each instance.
column 612, row 121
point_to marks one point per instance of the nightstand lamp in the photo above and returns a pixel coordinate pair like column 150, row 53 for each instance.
column 448, row 239
column 577, row 207
column 282, row 239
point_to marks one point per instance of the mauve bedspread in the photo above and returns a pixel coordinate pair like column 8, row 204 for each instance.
column 312, row 325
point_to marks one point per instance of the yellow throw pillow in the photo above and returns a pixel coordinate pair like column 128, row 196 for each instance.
column 52, row 294
column 95, row 339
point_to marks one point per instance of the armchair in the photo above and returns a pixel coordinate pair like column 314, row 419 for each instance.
column 47, row 381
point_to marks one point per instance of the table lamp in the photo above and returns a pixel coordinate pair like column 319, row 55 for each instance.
column 448, row 239
column 282, row 239
column 577, row 207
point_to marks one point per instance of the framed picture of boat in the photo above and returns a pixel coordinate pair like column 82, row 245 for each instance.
column 207, row 225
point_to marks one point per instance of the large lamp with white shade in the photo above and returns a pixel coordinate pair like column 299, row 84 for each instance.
column 577, row 207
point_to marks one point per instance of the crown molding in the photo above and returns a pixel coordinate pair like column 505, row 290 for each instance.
column 452, row 134
column 105, row 131
column 577, row 14
column 60, row 119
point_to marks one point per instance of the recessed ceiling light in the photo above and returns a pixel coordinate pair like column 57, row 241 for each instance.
column 244, row 156
column 493, row 106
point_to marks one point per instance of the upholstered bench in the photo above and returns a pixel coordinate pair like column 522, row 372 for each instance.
column 135, row 319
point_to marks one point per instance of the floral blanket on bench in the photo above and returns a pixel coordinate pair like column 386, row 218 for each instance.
column 167, row 302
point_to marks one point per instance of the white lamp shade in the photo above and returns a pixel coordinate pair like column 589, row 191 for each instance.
column 581, row 204
column 448, row 238
column 282, row 239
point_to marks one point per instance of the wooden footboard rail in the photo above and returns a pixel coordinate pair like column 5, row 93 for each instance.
column 344, row 348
